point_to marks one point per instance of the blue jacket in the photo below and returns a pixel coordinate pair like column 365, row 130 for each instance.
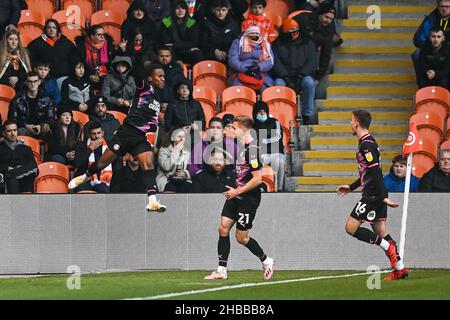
column 430, row 21
column 394, row 184
column 51, row 88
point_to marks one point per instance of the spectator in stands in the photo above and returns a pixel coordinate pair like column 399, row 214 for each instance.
column 270, row 141
column 228, row 128
column 197, row 10
column 119, row 86
column 250, row 59
column 439, row 17
column 9, row 15
column 215, row 176
column 213, row 139
column 182, row 33
column 140, row 49
column 395, row 180
column 14, row 61
column 295, row 65
column 63, row 138
column 437, row 179
column 48, row 83
column 90, row 152
column 32, row 110
column 312, row 5
column 127, row 179
column 157, row 10
column 173, row 176
column 219, row 31
column 97, row 51
column 77, row 91
column 256, row 18
column 319, row 27
column 185, row 112
column 434, row 60
column 137, row 18
column 237, row 9
column 53, row 47
column 18, row 168
column 100, row 115
column 173, row 75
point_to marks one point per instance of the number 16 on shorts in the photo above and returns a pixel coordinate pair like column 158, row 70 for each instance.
column 360, row 208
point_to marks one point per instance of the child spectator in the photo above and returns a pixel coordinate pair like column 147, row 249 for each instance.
column 395, row 180
column 48, row 83
column 77, row 90
column 14, row 61
column 258, row 19
column 119, row 86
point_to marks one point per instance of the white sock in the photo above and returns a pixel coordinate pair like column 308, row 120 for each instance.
column 266, row 261
column 222, row 269
column 152, row 198
column 384, row 244
column 400, row 265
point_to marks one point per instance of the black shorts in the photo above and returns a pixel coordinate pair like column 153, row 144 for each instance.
column 241, row 211
column 129, row 140
column 369, row 211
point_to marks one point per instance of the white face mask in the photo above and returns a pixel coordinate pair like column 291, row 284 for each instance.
column 262, row 117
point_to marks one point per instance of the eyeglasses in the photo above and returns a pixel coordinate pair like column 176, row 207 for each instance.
column 444, row 7
column 100, row 34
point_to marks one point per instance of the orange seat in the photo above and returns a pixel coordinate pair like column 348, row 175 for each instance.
column 53, row 178
column 238, row 100
column 275, row 17
column 116, row 5
column 186, row 70
column 207, row 98
column 433, row 99
column 211, row 74
column 118, row 115
column 72, row 25
column 25, row 39
column 34, row 145
column 282, row 7
column 80, row 117
column 296, row 13
column 111, row 21
column 152, row 137
column 429, row 125
column 285, row 125
column 425, row 158
column 445, row 145
column 6, row 95
column 87, row 7
column 31, row 23
column 46, row 7
column 282, row 99
column 268, row 178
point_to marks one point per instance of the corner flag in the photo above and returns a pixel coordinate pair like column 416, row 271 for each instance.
column 412, row 143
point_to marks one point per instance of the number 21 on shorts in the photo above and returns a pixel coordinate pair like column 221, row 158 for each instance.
column 242, row 217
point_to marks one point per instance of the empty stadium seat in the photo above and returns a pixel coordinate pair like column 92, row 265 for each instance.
column 6, row 95
column 46, row 7
column 429, row 125
column 31, row 23
column 282, row 99
column 69, row 26
column 433, row 99
column 34, row 145
column 425, row 158
column 268, row 178
column 152, row 137
column 116, row 5
column 211, row 74
column 207, row 98
column 111, row 21
column 87, row 7
column 25, row 39
column 238, row 100
column 118, row 115
column 282, row 7
column 53, row 178
column 80, row 117
column 281, row 117
column 296, row 13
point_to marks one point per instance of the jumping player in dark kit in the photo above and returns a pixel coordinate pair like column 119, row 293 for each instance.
column 131, row 138
column 242, row 203
column 372, row 208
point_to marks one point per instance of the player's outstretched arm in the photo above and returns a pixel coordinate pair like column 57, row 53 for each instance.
column 252, row 184
column 390, row 203
column 343, row 190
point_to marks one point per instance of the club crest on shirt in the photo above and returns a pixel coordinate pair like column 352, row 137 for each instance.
column 254, row 163
column 369, row 156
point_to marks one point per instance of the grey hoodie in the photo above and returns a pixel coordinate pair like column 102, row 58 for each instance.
column 116, row 85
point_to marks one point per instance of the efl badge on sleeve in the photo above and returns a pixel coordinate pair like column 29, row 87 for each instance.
column 254, row 164
column 369, row 156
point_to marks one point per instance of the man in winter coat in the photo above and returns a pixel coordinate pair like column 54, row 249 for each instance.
column 438, row 178
column 100, row 115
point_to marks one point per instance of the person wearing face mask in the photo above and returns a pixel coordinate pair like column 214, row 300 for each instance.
column 270, row 141
column 395, row 180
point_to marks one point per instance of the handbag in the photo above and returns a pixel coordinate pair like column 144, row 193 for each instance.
column 253, row 81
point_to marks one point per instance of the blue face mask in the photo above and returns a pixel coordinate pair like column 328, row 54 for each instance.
column 261, row 117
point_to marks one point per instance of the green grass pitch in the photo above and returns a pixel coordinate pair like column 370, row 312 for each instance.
column 422, row 284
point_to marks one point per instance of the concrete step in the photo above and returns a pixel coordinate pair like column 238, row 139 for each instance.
column 368, row 104
column 370, row 92
column 315, row 169
column 378, row 117
column 364, row 77
column 387, row 2
column 333, row 155
column 388, row 11
column 392, row 66
column 350, row 143
column 375, row 49
column 345, row 129
column 371, row 56
column 385, row 23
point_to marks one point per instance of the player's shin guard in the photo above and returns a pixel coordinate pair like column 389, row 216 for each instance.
column 255, row 248
column 223, row 250
column 149, row 181
column 363, row 234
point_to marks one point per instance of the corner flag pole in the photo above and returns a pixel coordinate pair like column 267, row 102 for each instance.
column 405, row 206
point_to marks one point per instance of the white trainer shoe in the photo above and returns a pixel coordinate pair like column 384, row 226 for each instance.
column 78, row 181
column 268, row 267
column 155, row 206
column 217, row 275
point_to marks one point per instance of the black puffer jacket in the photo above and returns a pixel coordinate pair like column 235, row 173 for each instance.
column 218, row 34
column 208, row 181
column 439, row 61
column 21, row 159
column 146, row 25
column 435, row 180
